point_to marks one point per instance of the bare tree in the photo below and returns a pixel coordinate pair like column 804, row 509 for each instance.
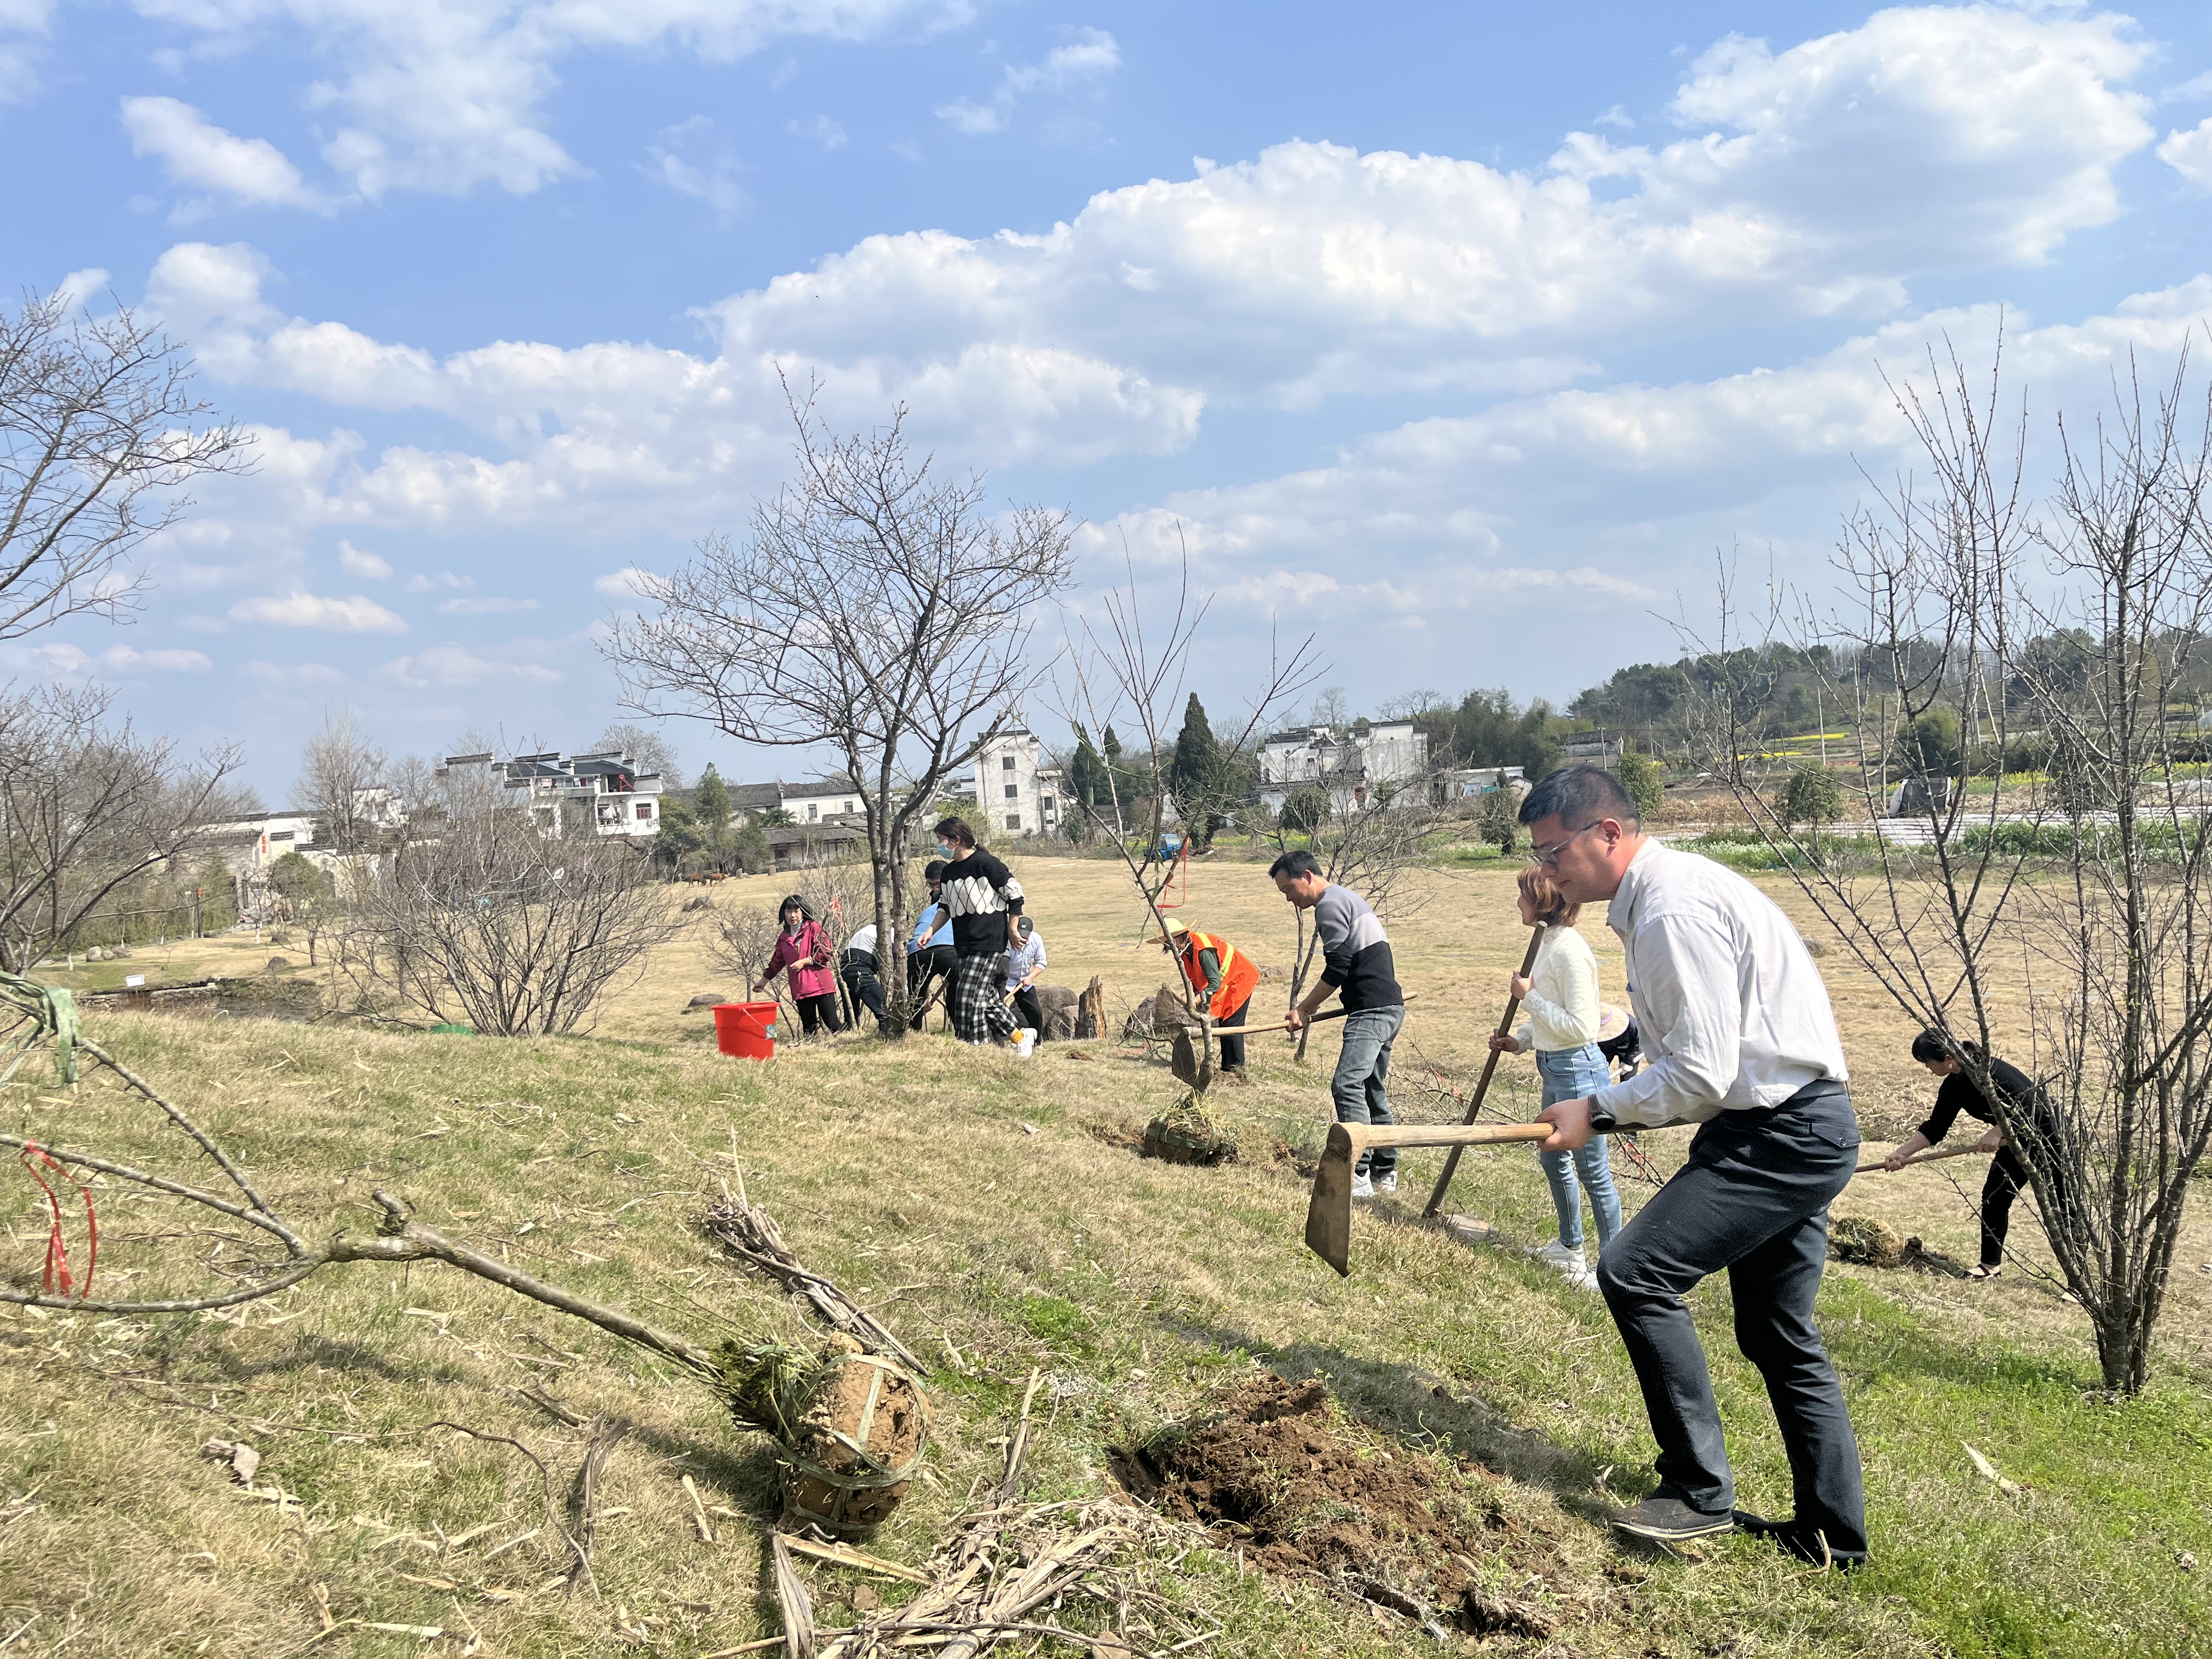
column 86, row 806
column 875, row 608
column 1331, row 709
column 2086, row 890
column 512, row 932
column 98, row 433
column 339, row 770
column 1125, row 669
column 655, row 754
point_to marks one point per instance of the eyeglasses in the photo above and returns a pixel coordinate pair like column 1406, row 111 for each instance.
column 1549, row 856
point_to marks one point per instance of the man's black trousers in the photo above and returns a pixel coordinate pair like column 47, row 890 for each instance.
column 858, row 969
column 1753, row 1198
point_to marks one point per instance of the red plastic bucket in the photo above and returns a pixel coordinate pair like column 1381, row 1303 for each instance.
column 745, row 1030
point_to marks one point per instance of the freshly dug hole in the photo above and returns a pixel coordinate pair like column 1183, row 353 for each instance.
column 1271, row 1476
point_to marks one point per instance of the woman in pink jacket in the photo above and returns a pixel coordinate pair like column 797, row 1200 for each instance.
column 804, row 948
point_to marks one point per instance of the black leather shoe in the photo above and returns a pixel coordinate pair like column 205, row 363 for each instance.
column 1812, row 1549
column 1670, row 1521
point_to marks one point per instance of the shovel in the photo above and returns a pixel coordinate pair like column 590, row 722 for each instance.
column 1925, row 1158
column 1189, row 1069
column 1328, row 1213
column 1482, row 1088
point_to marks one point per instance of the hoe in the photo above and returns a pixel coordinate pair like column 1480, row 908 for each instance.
column 1328, row 1215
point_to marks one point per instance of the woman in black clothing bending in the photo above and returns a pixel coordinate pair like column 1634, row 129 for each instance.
column 2023, row 1103
column 985, row 902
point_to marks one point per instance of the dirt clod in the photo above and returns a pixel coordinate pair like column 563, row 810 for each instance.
column 1274, row 1476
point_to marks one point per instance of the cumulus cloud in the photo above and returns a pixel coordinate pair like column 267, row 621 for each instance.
column 356, row 562
column 449, row 666
column 1087, row 56
column 79, row 287
column 357, row 615
column 434, row 96
column 200, row 155
column 2189, row 153
column 1617, row 497
column 1818, row 180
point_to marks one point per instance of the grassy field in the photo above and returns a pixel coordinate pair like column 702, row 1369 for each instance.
column 996, row 1209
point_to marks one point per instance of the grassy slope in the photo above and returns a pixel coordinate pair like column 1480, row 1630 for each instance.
column 912, row 1174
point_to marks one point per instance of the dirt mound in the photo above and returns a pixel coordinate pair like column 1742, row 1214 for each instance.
column 1865, row 1240
column 1274, row 1476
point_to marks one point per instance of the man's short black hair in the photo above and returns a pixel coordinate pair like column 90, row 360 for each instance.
column 933, row 870
column 1296, row 866
column 1578, row 796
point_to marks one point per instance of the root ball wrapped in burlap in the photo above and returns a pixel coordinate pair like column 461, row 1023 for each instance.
column 855, row 1432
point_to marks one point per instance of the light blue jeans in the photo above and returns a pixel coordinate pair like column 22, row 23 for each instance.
column 1362, row 1076
column 1570, row 1074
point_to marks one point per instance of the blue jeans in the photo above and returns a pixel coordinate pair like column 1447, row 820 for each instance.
column 1570, row 1075
column 1362, row 1068
column 1753, row 1198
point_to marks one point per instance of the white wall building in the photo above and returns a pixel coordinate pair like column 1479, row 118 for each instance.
column 604, row 789
column 1367, row 762
column 1018, row 790
column 823, row 800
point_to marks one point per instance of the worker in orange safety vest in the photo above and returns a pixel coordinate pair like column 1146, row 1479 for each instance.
column 1224, row 974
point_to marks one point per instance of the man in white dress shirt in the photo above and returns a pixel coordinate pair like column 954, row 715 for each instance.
column 1741, row 1039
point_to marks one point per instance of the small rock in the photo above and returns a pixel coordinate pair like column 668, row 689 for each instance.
column 95, row 954
column 707, row 1000
column 2185, row 1561
column 119, row 952
column 278, row 964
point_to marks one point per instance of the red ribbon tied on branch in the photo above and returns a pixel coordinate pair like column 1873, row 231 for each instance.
column 57, row 1265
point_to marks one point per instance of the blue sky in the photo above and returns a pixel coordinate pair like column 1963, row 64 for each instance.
column 1460, row 335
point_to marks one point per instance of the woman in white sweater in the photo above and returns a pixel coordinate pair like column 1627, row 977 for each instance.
column 1559, row 996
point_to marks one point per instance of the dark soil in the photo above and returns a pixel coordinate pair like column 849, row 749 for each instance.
column 1273, row 1475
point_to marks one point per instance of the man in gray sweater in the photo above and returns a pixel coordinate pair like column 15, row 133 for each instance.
column 1356, row 963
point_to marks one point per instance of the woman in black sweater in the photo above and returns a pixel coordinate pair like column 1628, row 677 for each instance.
column 985, row 902
column 2023, row 1103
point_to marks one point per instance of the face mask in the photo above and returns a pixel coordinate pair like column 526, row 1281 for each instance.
column 947, row 853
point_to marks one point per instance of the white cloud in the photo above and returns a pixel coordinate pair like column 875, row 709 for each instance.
column 629, row 584
column 56, row 659
column 691, row 161
column 201, row 157
column 448, row 666
column 444, row 97
column 1617, row 497
column 1822, row 179
column 357, row 615
column 829, row 134
column 80, row 286
column 2189, row 153
column 1089, row 54
column 355, row 562
column 488, row 606
column 25, row 25
column 124, row 658
column 444, row 580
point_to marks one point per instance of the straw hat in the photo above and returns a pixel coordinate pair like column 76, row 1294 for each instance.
column 1176, row 925
column 1611, row 1022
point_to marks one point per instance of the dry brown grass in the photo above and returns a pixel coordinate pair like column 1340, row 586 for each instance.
column 971, row 1199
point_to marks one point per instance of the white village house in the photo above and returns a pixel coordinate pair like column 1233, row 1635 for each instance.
column 1016, row 787
column 604, row 789
column 1371, row 760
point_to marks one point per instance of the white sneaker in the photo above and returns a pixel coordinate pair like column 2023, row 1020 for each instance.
column 1586, row 1279
column 1362, row 1187
column 1568, row 1259
column 1387, row 1183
